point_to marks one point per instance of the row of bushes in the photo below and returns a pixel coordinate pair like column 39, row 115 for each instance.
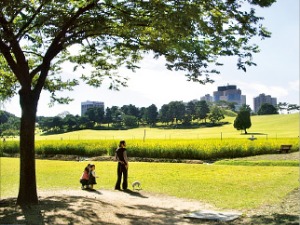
column 205, row 149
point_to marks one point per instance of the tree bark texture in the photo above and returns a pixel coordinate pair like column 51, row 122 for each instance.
column 28, row 188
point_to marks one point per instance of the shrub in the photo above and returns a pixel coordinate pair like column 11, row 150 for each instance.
column 202, row 149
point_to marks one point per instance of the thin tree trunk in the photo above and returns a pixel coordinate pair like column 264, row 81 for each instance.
column 27, row 189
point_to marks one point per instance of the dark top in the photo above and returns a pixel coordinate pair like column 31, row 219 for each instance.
column 120, row 155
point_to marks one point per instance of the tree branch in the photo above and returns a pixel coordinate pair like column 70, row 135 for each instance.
column 56, row 47
column 5, row 50
column 29, row 21
column 20, row 67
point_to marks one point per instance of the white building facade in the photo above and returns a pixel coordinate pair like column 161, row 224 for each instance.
column 90, row 104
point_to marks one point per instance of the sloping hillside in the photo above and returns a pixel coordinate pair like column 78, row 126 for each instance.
column 270, row 126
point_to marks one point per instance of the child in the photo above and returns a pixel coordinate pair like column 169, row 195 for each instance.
column 84, row 179
column 92, row 176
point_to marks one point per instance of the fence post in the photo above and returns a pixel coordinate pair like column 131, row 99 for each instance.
column 144, row 135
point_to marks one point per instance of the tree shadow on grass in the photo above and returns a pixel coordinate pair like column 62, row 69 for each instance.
column 92, row 190
column 52, row 210
column 253, row 133
column 60, row 210
column 91, row 210
column 134, row 193
column 167, row 216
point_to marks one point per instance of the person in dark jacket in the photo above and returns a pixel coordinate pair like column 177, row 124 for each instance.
column 92, row 177
column 122, row 169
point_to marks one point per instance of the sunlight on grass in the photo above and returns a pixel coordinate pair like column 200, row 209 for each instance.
column 263, row 127
column 232, row 187
column 258, row 163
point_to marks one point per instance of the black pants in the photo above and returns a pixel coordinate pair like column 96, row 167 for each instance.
column 122, row 170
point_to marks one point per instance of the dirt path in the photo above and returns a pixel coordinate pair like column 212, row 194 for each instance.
column 132, row 207
column 101, row 207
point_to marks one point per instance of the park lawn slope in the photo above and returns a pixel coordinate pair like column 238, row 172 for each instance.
column 263, row 126
column 228, row 187
column 280, row 125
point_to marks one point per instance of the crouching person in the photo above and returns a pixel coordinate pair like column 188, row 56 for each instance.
column 92, row 177
column 84, row 179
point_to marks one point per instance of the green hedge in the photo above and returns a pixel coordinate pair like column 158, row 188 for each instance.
column 203, row 149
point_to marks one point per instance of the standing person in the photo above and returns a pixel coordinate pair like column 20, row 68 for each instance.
column 122, row 170
column 92, row 176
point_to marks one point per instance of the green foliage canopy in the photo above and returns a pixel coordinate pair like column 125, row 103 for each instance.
column 151, row 114
column 108, row 34
column 216, row 114
column 243, row 120
column 267, row 109
column 202, row 110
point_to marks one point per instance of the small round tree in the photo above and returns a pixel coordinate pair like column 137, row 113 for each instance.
column 242, row 120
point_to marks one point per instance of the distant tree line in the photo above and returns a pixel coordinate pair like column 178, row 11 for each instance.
column 267, row 109
column 284, row 106
column 171, row 115
column 9, row 124
column 175, row 113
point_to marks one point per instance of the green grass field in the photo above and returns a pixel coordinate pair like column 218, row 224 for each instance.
column 228, row 187
column 263, row 127
column 227, row 184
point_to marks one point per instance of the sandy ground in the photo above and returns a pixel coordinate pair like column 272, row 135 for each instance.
column 133, row 207
column 101, row 207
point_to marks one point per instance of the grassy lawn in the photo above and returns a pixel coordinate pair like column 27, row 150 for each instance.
column 259, row 163
column 263, row 127
column 225, row 186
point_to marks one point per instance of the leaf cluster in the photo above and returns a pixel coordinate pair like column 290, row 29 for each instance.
column 38, row 36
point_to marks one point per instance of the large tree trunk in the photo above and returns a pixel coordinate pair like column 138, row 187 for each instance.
column 27, row 189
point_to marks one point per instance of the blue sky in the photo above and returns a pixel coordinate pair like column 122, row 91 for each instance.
column 276, row 73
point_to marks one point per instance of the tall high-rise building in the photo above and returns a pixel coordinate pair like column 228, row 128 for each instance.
column 90, row 104
column 230, row 93
column 261, row 99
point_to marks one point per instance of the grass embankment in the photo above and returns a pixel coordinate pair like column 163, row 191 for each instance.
column 231, row 187
column 203, row 143
column 263, row 127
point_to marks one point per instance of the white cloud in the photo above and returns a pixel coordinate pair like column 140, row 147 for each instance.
column 258, row 88
column 294, row 85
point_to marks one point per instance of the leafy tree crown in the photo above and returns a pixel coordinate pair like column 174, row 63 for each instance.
column 37, row 37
